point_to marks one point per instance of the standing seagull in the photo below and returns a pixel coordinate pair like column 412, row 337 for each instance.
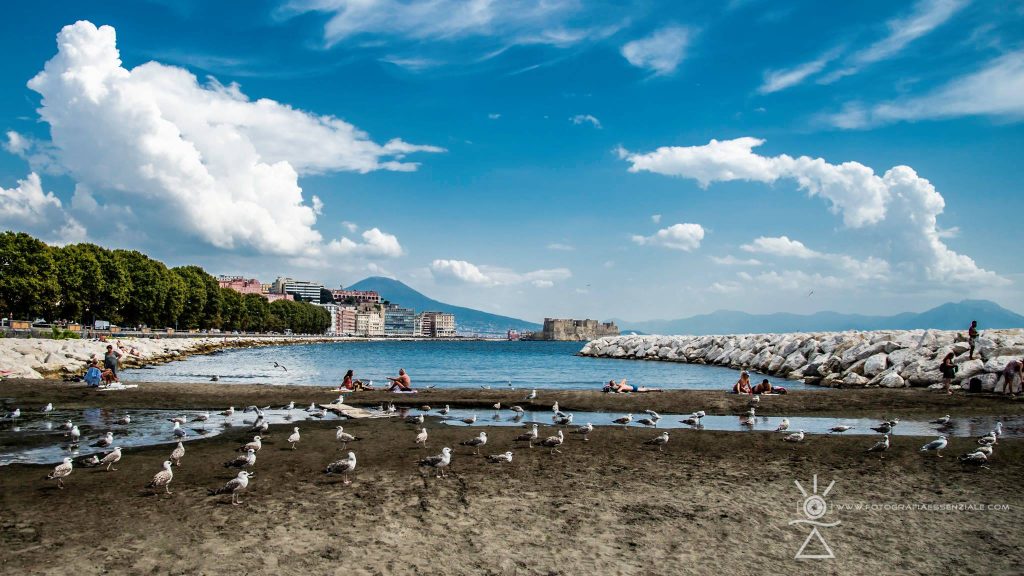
column 532, row 395
column 553, row 442
column 881, row 446
column 554, row 407
column 344, row 437
column 345, row 466
column 562, row 420
column 530, row 436
column 797, row 436
column 235, row 486
column 421, row 438
column 201, row 417
column 659, row 441
column 15, row 415
column 470, row 420
column 937, row 445
column 178, row 453
column 417, row 419
column 624, row 420
column 586, row 429
column 517, row 409
column 125, row 420
column 162, row 478
column 75, row 434
column 256, row 445
column 498, row 458
column 227, row 414
column 294, row 438
column 652, row 421
column 47, row 408
column 113, row 458
column 941, row 421
column 783, row 426
column 67, row 425
column 61, row 472
column 443, row 411
column 476, row 443
column 439, row 462
column 178, row 431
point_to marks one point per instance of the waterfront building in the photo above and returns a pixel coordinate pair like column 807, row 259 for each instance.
column 437, row 325
column 250, row 286
column 306, row 290
column 369, row 324
column 399, row 321
column 356, row 296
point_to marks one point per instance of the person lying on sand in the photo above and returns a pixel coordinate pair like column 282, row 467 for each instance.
column 402, row 383
column 622, row 387
column 742, row 385
column 765, row 387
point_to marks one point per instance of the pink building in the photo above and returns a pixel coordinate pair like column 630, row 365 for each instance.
column 250, row 286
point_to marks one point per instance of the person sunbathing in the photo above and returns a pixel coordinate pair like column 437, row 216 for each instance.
column 623, row 387
column 765, row 387
column 402, row 383
column 742, row 385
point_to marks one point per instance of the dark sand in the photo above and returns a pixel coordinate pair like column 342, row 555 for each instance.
column 712, row 503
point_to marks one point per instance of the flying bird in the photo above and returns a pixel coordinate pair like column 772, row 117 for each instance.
column 281, row 366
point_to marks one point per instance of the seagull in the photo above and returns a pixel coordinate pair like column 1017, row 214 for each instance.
column 798, row 436
column 228, row 413
column 532, row 395
column 294, row 438
column 653, row 414
column 941, row 421
column 112, row 458
column 162, row 478
column 783, row 426
column 652, row 421
column 986, row 449
column 260, row 425
column 317, row 414
column 201, row 417
column 692, row 421
column 417, row 419
column 344, row 437
column 517, row 409
column 214, row 378
column 439, row 462
column 880, row 446
column 842, row 428
column 883, row 428
column 470, row 420
column 976, row 457
column 289, row 406
column 530, row 436
column 443, row 411
column 498, row 458
column 699, row 414
column 345, row 466
column 75, row 434
column 255, row 445
column 90, row 462
column 178, row 453
column 553, row 442
column 281, row 366
column 421, row 438
column 104, row 441
column 476, row 443
column 67, row 425
column 988, row 440
column 497, row 406
column 234, row 486
column 61, row 472
column 624, row 420
column 937, row 445
column 15, row 415
column 754, row 401
column 748, row 418
column 47, row 408
column 243, row 460
column 178, row 419
column 125, row 420
column 998, row 430
column 563, row 420
column 178, row 431
column 554, row 407
column 658, row 441
column 312, row 407
column 586, row 429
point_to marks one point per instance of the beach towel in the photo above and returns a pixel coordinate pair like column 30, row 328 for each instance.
column 118, row 386
column 406, row 391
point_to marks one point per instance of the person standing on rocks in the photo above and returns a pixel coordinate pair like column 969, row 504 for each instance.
column 972, row 338
column 1013, row 369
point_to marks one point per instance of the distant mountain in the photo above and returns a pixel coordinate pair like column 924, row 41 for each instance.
column 466, row 319
column 949, row 316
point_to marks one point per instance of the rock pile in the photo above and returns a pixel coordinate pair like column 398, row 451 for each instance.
column 891, row 359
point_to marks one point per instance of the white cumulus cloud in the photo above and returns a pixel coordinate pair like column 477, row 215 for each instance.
column 375, row 244
column 26, row 207
column 201, row 158
column 661, row 52
column 686, row 237
column 899, row 208
column 469, row 273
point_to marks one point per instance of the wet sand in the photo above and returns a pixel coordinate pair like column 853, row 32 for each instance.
column 711, row 503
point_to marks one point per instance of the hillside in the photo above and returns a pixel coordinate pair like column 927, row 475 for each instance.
column 949, row 316
column 467, row 320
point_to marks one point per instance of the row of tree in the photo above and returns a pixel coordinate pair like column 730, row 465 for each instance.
column 84, row 283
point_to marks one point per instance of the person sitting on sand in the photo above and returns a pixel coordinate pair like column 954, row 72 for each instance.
column 350, row 383
column 765, row 387
column 93, row 376
column 622, row 387
column 742, row 385
column 402, row 383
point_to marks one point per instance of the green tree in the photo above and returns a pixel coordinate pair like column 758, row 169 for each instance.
column 194, row 307
column 175, row 294
column 230, row 309
column 28, row 278
column 80, row 282
column 145, row 303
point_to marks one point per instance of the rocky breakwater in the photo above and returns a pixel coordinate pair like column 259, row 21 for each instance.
column 891, row 359
column 37, row 358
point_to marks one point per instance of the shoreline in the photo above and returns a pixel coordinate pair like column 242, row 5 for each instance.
column 875, row 403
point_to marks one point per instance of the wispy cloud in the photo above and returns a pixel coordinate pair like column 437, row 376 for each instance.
column 661, row 52
column 561, row 247
column 776, row 80
column 584, row 119
column 469, row 273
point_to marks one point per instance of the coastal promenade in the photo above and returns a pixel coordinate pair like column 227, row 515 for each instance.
column 890, row 359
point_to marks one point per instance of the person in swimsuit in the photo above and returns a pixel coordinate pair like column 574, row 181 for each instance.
column 348, row 383
column 765, row 387
column 623, row 387
column 402, row 382
column 742, row 385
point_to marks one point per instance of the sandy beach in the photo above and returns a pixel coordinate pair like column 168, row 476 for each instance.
column 710, row 503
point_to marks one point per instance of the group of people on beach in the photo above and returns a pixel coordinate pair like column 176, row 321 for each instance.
column 742, row 386
column 108, row 375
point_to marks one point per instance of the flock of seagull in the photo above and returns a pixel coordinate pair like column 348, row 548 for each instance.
column 245, row 461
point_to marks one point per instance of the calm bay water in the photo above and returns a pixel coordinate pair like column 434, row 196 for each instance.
column 442, row 364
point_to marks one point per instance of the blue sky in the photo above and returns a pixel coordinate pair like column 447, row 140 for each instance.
column 558, row 158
